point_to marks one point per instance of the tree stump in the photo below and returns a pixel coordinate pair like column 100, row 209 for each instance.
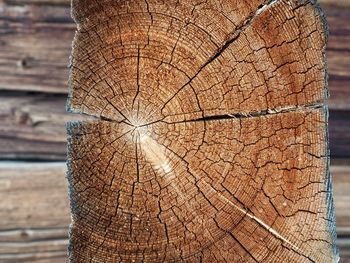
column 210, row 137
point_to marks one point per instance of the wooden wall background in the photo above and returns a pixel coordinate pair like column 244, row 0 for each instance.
column 35, row 42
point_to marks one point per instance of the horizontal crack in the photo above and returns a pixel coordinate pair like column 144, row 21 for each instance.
column 250, row 114
column 242, row 115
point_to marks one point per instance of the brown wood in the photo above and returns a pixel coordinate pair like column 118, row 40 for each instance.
column 341, row 189
column 30, row 240
column 341, row 185
column 34, row 194
column 35, row 43
column 30, row 145
column 341, row 3
column 35, row 214
column 335, row 3
column 26, row 67
column 41, row 2
column 211, row 144
column 33, row 126
column 339, row 134
column 339, row 56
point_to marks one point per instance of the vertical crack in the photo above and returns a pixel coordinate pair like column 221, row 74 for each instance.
column 137, row 77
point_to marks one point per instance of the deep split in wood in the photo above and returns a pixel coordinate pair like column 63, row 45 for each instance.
column 210, row 138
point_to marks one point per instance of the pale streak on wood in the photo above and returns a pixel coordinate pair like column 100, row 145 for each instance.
column 28, row 234
column 41, row 2
column 261, row 222
column 180, row 87
column 32, row 126
column 84, row 136
column 25, row 233
column 154, row 152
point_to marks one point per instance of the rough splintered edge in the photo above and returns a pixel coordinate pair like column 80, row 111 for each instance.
column 325, row 26
column 70, row 127
column 69, row 107
column 331, row 219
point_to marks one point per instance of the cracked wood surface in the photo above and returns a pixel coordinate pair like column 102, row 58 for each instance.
column 32, row 127
column 255, row 198
column 34, row 230
column 25, row 63
column 212, row 139
column 44, row 128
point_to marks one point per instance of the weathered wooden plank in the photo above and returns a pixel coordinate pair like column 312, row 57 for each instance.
column 337, row 3
column 37, row 257
column 31, row 235
column 341, row 185
column 340, row 92
column 35, row 47
column 338, row 54
column 32, row 126
column 339, row 134
column 41, row 2
column 35, row 195
column 34, row 211
column 33, row 249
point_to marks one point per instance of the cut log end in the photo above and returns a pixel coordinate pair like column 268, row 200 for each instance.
column 211, row 144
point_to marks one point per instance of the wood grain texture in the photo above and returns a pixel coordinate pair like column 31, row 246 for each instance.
column 129, row 203
column 46, row 207
column 34, row 212
column 25, row 67
column 170, row 72
column 35, row 43
column 339, row 56
column 24, row 240
column 211, row 144
column 341, row 189
column 339, row 82
column 335, row 3
column 38, row 2
column 32, row 127
column 342, row 3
